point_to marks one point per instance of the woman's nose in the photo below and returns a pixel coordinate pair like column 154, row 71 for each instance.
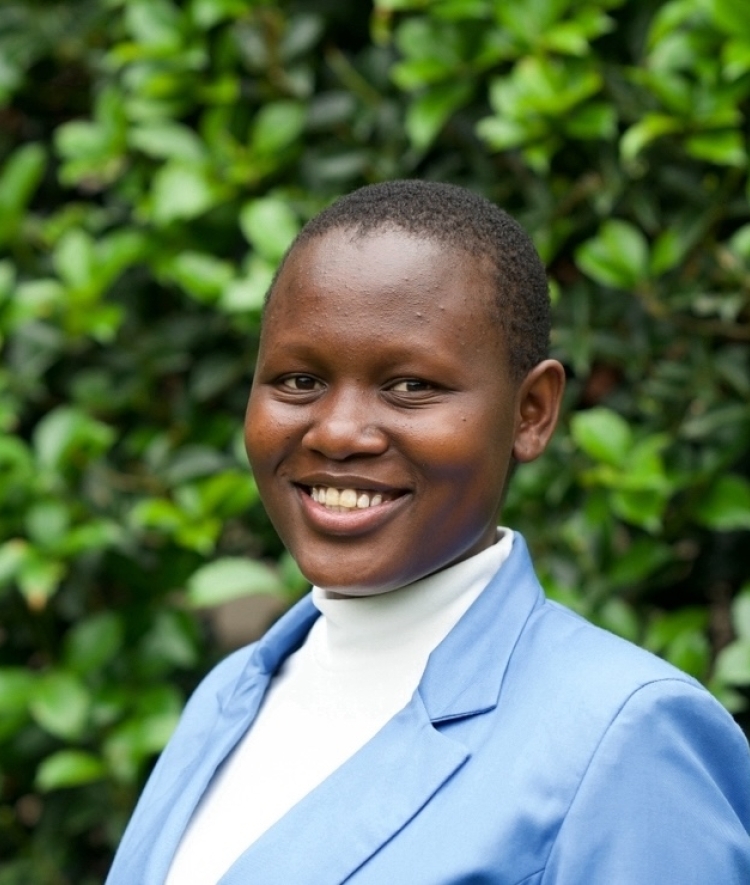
column 343, row 426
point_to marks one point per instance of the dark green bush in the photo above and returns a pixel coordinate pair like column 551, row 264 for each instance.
column 156, row 158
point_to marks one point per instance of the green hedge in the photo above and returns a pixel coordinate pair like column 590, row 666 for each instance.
column 156, row 158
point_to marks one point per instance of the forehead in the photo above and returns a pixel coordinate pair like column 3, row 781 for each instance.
column 387, row 275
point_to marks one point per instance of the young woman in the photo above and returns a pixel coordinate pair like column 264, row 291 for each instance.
column 425, row 716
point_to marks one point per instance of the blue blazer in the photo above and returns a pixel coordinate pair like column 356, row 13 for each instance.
column 537, row 750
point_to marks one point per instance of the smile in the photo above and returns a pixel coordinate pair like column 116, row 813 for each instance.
column 341, row 500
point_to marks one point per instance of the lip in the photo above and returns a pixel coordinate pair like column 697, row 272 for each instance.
column 354, row 522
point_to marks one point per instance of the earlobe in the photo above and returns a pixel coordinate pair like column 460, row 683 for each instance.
column 539, row 398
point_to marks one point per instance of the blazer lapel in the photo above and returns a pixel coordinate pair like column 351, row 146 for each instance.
column 465, row 672
column 179, row 783
column 344, row 821
column 335, row 829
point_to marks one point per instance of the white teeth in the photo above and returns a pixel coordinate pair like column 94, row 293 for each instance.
column 345, row 499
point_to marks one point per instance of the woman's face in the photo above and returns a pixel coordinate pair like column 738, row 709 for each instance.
column 382, row 417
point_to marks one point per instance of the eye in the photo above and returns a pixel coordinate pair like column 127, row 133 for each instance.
column 301, row 383
column 412, row 385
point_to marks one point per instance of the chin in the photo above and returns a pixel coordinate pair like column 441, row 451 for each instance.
column 346, row 581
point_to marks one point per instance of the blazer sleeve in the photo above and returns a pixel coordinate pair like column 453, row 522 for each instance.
column 665, row 797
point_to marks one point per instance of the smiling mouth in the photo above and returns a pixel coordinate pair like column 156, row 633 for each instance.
column 346, row 500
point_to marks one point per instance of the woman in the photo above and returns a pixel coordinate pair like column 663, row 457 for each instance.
column 426, row 716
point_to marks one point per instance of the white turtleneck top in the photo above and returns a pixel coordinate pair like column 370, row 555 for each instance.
column 359, row 665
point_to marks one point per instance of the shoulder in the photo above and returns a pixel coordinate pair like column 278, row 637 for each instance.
column 584, row 690
column 642, row 744
column 591, row 661
column 663, row 794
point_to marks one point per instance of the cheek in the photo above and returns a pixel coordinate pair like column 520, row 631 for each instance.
column 260, row 436
column 271, row 431
column 469, row 444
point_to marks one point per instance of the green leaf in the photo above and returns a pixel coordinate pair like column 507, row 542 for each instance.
column 531, row 20
column 117, row 252
column 603, row 435
column 669, row 250
column 726, row 505
column 13, row 554
column 68, row 768
column 167, row 139
column 74, row 258
column 16, row 462
column 154, row 23
column 202, row 275
column 227, row 494
column 60, row 704
column 736, row 58
column 594, row 120
column 270, row 225
column 644, row 466
column 302, row 33
column 207, row 13
column 617, row 257
column 231, row 578
column 180, row 192
column 81, row 139
column 502, row 134
column 620, row 618
column 47, row 522
column 19, row 179
column 739, row 242
column 16, row 686
column 732, row 16
column 641, row 561
column 648, row 129
column 690, row 652
column 7, row 279
column 171, row 641
column 641, row 508
column 92, row 644
column 133, row 741
column 277, row 126
column 67, row 430
column 39, row 578
column 36, row 299
column 666, row 628
column 741, row 613
column 733, row 663
column 722, row 148
column 248, row 292
column 428, row 114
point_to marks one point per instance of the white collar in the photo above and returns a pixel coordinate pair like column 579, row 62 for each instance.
column 421, row 613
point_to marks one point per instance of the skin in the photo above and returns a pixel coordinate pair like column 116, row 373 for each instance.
column 381, row 368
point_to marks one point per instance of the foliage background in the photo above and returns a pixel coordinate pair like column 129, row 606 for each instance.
column 156, row 158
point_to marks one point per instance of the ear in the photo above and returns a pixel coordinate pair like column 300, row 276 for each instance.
column 539, row 398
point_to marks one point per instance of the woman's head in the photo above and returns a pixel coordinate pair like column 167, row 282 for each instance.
column 390, row 396
column 463, row 221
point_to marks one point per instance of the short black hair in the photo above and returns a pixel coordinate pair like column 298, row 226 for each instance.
column 463, row 220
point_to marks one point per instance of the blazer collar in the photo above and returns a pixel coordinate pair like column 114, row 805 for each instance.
column 483, row 640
